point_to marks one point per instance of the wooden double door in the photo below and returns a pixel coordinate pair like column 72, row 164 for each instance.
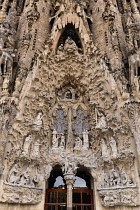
column 56, row 199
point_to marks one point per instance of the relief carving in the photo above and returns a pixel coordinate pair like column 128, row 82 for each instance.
column 21, row 195
column 22, row 178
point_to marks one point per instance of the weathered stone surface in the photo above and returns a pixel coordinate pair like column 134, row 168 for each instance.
column 70, row 96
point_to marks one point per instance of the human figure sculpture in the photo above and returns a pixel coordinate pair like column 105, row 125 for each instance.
column 106, row 180
column 104, row 148
column 101, row 121
column 62, row 143
column 78, row 144
column 13, row 174
column 85, row 139
column 125, row 180
column 114, row 178
column 60, row 50
column 35, row 180
column 55, row 139
column 69, row 167
column 113, row 146
column 70, row 46
column 38, row 121
column 35, row 151
column 26, row 145
column 24, row 178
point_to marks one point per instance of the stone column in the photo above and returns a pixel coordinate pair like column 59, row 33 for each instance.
column 70, row 178
column 69, row 144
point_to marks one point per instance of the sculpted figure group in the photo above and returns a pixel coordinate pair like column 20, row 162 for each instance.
column 22, row 178
column 116, row 180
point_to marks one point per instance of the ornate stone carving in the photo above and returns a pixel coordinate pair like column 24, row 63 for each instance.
column 113, row 146
column 32, row 15
column 21, row 195
column 117, row 181
column 36, row 149
column 101, row 121
column 17, row 177
column 37, row 124
column 127, row 197
column 69, row 97
column 26, row 146
column 78, row 144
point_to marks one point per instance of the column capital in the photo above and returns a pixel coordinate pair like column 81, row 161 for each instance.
column 69, row 178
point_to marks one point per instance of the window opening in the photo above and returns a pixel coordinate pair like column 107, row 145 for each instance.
column 60, row 121
column 71, row 32
column 56, row 180
column 80, row 124
column 2, row 69
column 138, row 71
column 8, row 8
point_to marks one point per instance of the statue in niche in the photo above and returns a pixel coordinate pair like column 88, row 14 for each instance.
column 55, row 139
column 62, row 143
column 70, row 45
column 13, row 174
column 85, row 139
column 60, row 50
column 78, row 144
column 35, row 151
column 37, row 124
column 26, row 145
column 114, row 178
column 68, row 95
column 101, row 121
column 113, row 146
column 104, row 148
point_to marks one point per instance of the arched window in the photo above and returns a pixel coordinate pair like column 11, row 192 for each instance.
column 56, row 194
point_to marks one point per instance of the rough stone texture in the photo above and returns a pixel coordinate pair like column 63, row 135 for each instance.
column 70, row 96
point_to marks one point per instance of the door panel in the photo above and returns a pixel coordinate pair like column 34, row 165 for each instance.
column 56, row 199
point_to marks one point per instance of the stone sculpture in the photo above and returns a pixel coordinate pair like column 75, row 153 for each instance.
column 26, row 145
column 35, row 150
column 113, row 146
column 37, row 124
column 70, row 94
column 78, row 144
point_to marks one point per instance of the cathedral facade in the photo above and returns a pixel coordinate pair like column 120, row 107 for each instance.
column 69, row 104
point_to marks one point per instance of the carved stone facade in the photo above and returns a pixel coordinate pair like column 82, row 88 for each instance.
column 70, row 96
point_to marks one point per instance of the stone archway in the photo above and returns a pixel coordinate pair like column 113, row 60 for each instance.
column 69, row 188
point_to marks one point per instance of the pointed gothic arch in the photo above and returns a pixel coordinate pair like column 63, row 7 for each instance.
column 71, row 32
